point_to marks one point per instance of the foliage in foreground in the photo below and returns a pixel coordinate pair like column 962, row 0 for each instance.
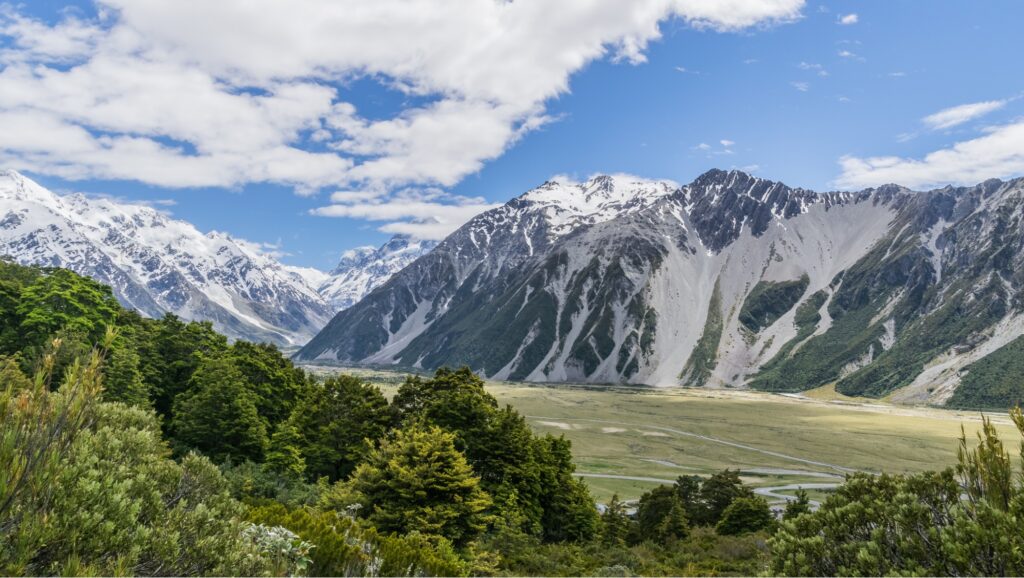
column 960, row 522
column 90, row 488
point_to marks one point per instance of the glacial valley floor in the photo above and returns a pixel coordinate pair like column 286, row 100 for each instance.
column 627, row 440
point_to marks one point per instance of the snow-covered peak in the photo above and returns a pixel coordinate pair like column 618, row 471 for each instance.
column 567, row 205
column 15, row 186
column 363, row 269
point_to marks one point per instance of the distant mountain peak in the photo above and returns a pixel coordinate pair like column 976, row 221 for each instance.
column 363, row 269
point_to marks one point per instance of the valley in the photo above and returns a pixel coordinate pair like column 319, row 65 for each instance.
column 627, row 440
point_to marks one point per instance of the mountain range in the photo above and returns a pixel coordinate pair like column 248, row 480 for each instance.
column 157, row 265
column 729, row 281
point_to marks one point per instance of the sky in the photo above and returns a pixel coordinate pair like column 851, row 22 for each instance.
column 314, row 126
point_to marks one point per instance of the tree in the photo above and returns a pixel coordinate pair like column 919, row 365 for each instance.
column 718, row 492
column 688, row 490
column 122, row 378
column 504, row 452
column 652, row 510
column 12, row 376
column 745, row 515
column 674, row 525
column 417, row 481
column 171, row 351
column 217, row 415
column 277, row 383
column 801, row 505
column 285, row 453
column 62, row 300
column 334, row 420
column 614, row 523
column 569, row 511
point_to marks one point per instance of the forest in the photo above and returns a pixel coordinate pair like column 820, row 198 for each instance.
column 136, row 446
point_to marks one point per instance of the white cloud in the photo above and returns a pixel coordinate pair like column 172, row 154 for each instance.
column 819, row 69
column 957, row 115
column 422, row 213
column 997, row 154
column 801, row 86
column 191, row 93
column 703, row 146
column 847, row 54
column 848, row 19
column 726, row 142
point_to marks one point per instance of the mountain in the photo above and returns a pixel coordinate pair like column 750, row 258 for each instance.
column 156, row 264
column 365, row 268
column 729, row 281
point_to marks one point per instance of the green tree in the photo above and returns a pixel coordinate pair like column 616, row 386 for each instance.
column 718, row 492
column 745, row 515
column 504, row 452
column 801, row 505
column 614, row 523
column 688, row 490
column 334, row 421
column 417, row 481
column 122, row 377
column 171, row 351
column 674, row 525
column 217, row 415
column 277, row 383
column 62, row 300
column 12, row 376
column 569, row 511
column 285, row 453
column 652, row 510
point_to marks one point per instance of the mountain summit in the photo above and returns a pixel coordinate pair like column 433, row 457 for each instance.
column 729, row 281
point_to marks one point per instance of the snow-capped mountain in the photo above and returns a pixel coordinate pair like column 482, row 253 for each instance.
column 730, row 281
column 156, row 264
column 363, row 269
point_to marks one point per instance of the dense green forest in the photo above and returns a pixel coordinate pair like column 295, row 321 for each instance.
column 134, row 446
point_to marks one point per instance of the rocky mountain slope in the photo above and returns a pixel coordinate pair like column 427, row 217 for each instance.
column 730, row 281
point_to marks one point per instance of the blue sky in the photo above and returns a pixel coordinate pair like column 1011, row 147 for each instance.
column 922, row 93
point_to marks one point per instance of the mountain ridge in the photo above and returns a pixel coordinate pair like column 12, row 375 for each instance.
column 631, row 297
column 157, row 264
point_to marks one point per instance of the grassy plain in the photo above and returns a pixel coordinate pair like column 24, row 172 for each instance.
column 775, row 440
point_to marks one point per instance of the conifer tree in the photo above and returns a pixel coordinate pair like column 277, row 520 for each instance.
column 417, row 481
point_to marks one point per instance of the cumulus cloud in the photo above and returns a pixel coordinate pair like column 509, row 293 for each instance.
column 997, row 154
column 192, row 93
column 957, row 115
column 848, row 19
